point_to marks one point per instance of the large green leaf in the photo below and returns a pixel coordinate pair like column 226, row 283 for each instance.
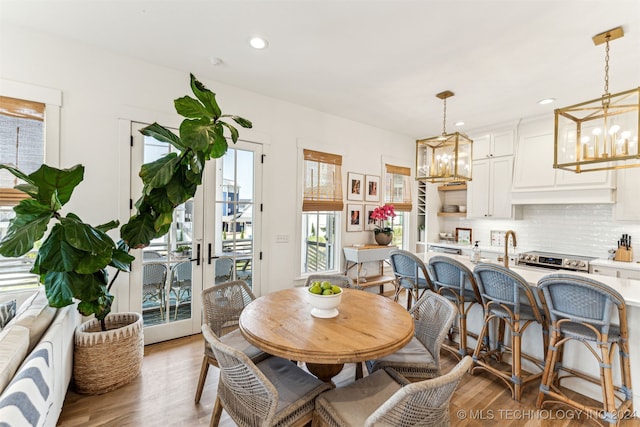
column 219, row 146
column 158, row 200
column 191, row 108
column 139, row 231
column 163, row 220
column 205, row 96
column 56, row 254
column 26, row 228
column 239, row 120
column 17, row 173
column 158, row 174
column 86, row 238
column 195, row 134
column 163, row 134
column 233, row 131
column 55, row 186
column 121, row 259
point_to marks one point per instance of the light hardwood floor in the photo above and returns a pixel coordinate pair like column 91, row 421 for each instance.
column 163, row 396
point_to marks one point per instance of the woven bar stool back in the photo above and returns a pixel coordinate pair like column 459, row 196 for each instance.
column 509, row 300
column 411, row 274
column 585, row 310
column 454, row 281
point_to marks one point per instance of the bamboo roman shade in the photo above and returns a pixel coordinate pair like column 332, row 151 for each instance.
column 398, row 187
column 21, row 143
column 322, row 182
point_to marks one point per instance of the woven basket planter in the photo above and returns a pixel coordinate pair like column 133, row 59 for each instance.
column 105, row 361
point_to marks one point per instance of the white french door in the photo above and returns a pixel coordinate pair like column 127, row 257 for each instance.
column 214, row 238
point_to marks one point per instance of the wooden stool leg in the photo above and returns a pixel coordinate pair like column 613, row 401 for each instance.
column 549, row 368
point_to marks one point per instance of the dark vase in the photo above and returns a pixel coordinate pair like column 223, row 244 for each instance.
column 383, row 238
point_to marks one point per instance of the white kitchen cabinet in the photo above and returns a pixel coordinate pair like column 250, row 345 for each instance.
column 535, row 181
column 627, row 200
column 489, row 192
column 620, row 270
column 493, row 144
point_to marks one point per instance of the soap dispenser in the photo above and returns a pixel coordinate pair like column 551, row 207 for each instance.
column 475, row 255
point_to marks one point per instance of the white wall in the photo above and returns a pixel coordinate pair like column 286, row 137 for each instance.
column 98, row 88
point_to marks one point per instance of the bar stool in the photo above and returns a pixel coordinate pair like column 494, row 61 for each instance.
column 454, row 281
column 587, row 311
column 507, row 298
column 411, row 274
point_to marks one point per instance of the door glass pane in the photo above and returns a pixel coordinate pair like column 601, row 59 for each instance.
column 318, row 231
column 166, row 262
column 234, row 207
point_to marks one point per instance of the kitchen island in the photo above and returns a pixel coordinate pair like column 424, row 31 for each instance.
column 575, row 355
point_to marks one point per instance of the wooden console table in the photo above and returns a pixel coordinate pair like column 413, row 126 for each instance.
column 356, row 256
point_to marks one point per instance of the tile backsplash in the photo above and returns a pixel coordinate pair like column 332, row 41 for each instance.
column 587, row 230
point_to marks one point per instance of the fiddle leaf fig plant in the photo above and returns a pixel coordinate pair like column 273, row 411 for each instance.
column 73, row 259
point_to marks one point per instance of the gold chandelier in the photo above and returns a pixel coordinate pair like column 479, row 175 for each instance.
column 444, row 158
column 602, row 133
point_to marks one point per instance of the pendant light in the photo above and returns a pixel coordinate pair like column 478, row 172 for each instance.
column 444, row 158
column 602, row 133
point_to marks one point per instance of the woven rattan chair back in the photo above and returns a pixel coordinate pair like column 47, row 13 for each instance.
column 433, row 316
column 153, row 282
column 424, row 403
column 181, row 283
column 509, row 300
column 584, row 310
column 453, row 280
column 224, row 270
column 582, row 300
column 410, row 273
column 501, row 287
column 335, row 279
column 222, row 305
column 246, row 394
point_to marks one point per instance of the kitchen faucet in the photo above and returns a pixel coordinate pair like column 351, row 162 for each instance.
column 506, row 246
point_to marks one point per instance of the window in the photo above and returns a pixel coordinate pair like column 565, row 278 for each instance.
column 322, row 202
column 398, row 193
column 22, row 147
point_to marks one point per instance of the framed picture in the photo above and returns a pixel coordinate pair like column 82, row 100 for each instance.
column 355, row 183
column 354, row 218
column 463, row 236
column 372, row 188
column 369, row 223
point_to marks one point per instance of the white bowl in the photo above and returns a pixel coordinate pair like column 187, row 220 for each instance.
column 324, row 306
column 462, row 208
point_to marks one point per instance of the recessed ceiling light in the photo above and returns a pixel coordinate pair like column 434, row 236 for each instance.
column 459, row 123
column 258, row 42
column 546, row 101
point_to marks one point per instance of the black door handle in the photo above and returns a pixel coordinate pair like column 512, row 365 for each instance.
column 197, row 258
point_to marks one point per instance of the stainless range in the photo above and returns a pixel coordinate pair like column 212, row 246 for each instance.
column 555, row 261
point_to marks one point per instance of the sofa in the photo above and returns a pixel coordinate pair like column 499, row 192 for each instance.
column 36, row 358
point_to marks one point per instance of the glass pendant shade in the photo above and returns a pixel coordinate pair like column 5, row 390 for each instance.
column 444, row 158
column 599, row 134
column 602, row 133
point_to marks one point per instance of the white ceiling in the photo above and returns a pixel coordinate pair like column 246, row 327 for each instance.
column 376, row 62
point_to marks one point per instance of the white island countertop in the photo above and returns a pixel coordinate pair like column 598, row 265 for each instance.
column 616, row 264
column 628, row 288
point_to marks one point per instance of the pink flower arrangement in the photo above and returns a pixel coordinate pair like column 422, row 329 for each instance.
column 382, row 214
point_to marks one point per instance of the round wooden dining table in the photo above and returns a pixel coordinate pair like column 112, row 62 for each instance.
column 368, row 326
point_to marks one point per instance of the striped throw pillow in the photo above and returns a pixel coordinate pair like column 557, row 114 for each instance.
column 7, row 312
column 27, row 399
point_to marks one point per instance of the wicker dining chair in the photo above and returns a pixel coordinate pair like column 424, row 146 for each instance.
column 454, row 281
column 222, row 305
column 587, row 311
column 153, row 283
column 273, row 392
column 433, row 316
column 181, row 283
column 411, row 274
column 335, row 279
column 510, row 301
column 223, row 270
column 385, row 398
